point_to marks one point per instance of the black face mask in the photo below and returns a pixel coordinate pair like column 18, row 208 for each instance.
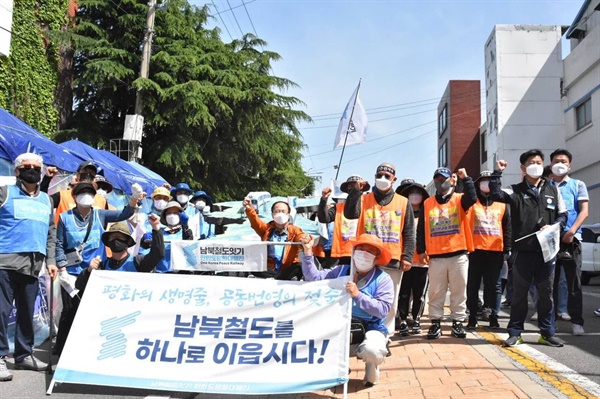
column 29, row 175
column 118, row 246
column 443, row 187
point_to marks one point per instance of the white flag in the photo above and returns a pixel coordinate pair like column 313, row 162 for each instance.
column 549, row 239
column 353, row 123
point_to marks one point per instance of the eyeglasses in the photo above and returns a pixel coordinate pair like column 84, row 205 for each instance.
column 380, row 175
column 35, row 167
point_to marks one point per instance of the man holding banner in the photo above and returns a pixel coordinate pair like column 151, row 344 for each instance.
column 538, row 216
column 372, row 291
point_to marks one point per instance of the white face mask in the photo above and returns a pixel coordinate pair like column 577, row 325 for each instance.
column 363, row 260
column 560, row 169
column 415, row 198
column 200, row 205
column 534, row 170
column 159, row 205
column 172, row 219
column 281, row 218
column 484, row 186
column 86, row 199
column 383, row 184
column 101, row 192
column 183, row 198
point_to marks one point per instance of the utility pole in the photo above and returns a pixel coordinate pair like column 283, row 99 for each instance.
column 146, row 51
column 130, row 147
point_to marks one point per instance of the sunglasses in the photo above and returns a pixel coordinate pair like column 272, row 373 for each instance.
column 88, row 177
column 380, row 175
column 24, row 167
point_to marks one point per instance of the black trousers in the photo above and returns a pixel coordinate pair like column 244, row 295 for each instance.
column 415, row 282
column 572, row 267
column 70, row 306
column 484, row 265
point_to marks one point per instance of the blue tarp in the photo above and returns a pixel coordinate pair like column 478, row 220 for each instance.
column 117, row 171
column 17, row 137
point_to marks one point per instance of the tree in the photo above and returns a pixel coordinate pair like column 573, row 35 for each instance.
column 215, row 116
column 28, row 76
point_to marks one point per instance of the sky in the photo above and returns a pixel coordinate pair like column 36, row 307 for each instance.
column 405, row 52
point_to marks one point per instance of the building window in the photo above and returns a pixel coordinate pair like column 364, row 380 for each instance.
column 443, row 156
column 583, row 114
column 443, row 120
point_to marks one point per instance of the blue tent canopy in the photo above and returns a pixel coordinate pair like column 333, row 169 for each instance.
column 17, row 137
column 117, row 171
column 150, row 174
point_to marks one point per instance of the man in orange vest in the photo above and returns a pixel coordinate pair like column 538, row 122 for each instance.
column 491, row 229
column 63, row 200
column 443, row 236
column 343, row 229
column 390, row 217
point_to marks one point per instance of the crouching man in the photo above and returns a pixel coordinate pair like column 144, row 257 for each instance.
column 372, row 291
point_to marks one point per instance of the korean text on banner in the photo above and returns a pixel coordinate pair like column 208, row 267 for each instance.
column 353, row 123
column 208, row 334
column 549, row 240
column 222, row 256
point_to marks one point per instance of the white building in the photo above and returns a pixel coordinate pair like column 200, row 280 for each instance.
column 523, row 98
column 6, row 16
column 535, row 99
column 581, row 101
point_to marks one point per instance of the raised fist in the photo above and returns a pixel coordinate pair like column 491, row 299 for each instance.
column 326, row 193
column 501, row 165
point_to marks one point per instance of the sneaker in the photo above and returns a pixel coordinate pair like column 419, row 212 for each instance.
column 472, row 324
column 416, row 327
column 513, row 340
column 31, row 363
column 577, row 329
column 5, row 375
column 533, row 317
column 485, row 315
column 403, row 330
column 458, row 330
column 551, row 341
column 494, row 321
column 371, row 375
column 563, row 316
column 435, row 331
column 597, row 312
column 506, row 304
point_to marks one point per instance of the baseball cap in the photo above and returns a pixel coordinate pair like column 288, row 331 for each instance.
column 79, row 187
column 442, row 171
column 87, row 164
column 483, row 174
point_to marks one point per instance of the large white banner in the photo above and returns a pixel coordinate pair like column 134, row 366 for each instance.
column 223, row 256
column 214, row 334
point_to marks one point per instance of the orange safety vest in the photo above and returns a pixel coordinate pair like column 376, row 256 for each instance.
column 443, row 225
column 67, row 202
column 486, row 226
column 343, row 230
column 386, row 222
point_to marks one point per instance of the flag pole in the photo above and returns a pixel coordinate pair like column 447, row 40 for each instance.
column 348, row 128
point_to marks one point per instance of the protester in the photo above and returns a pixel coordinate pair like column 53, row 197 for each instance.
column 160, row 198
column 202, row 202
column 63, row 200
column 343, row 229
column 78, row 242
column 414, row 281
column 372, row 292
column 118, row 239
column 282, row 260
column 182, row 193
column 575, row 195
column 104, row 186
column 27, row 240
column 535, row 205
column 175, row 222
column 491, row 229
column 389, row 216
column 443, row 241
column 322, row 249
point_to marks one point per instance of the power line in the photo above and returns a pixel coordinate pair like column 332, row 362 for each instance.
column 235, row 18
column 247, row 13
column 222, row 20
column 335, row 115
